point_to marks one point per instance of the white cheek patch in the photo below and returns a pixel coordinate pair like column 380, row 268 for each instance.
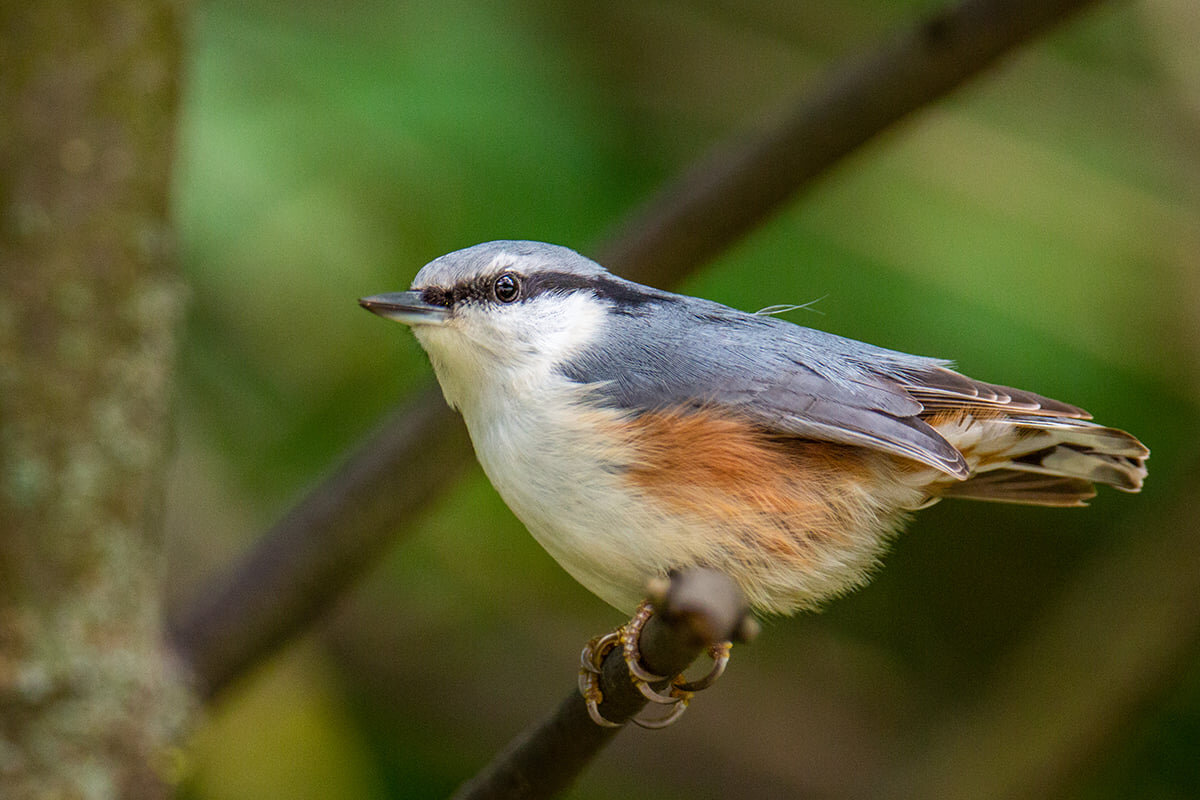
column 510, row 350
column 565, row 323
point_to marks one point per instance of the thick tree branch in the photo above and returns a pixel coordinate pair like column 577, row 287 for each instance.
column 701, row 608
column 279, row 588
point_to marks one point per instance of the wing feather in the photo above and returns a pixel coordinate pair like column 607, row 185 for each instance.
column 942, row 389
column 675, row 351
column 793, row 381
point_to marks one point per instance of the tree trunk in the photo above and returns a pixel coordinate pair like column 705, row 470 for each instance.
column 91, row 701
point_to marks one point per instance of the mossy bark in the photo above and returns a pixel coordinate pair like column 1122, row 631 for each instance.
column 91, row 702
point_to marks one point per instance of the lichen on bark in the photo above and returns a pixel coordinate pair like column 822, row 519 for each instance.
column 91, row 702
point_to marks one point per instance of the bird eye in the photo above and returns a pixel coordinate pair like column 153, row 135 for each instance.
column 507, row 287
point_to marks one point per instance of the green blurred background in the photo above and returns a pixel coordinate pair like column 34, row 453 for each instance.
column 1040, row 227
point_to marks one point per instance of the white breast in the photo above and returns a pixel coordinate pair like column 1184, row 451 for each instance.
column 540, row 444
column 565, row 482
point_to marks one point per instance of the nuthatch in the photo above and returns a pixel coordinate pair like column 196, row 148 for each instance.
column 636, row 431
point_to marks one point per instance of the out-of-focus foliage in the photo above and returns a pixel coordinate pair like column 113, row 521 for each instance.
column 1041, row 227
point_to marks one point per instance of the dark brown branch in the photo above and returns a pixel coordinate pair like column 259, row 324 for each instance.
column 701, row 608
column 303, row 563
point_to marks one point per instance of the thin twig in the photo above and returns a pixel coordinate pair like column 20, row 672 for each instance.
column 302, row 564
column 702, row 607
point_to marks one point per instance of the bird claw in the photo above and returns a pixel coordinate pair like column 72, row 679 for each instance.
column 628, row 636
column 590, row 661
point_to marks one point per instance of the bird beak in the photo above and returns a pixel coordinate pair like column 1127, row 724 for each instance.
column 406, row 307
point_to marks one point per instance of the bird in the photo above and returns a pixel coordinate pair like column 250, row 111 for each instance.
column 636, row 431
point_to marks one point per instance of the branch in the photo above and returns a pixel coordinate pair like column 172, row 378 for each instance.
column 304, row 562
column 702, row 607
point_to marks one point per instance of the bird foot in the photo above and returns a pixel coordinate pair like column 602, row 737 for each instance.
column 627, row 636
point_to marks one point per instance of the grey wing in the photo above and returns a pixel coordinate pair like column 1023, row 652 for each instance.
column 870, row 411
column 793, row 380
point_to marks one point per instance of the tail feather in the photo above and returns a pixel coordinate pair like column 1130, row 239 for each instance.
column 1043, row 460
column 1086, row 434
column 1022, row 447
column 1026, row 488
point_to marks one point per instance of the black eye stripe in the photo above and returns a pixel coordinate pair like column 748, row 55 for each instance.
column 624, row 296
column 478, row 290
column 437, row 296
